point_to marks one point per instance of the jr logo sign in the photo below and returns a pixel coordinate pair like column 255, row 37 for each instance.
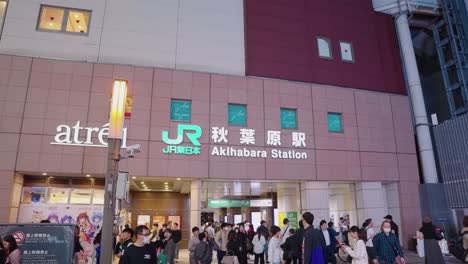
column 193, row 133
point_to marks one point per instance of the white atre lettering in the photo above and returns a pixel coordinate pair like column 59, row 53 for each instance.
column 251, row 153
column 70, row 136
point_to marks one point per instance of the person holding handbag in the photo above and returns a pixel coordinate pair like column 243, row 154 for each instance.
column 388, row 246
column 232, row 250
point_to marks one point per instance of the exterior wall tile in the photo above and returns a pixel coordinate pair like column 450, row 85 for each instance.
column 379, row 166
column 331, row 99
column 375, row 122
column 338, row 165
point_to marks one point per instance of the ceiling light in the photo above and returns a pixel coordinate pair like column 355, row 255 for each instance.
column 44, row 173
column 87, row 175
column 134, row 177
column 178, row 179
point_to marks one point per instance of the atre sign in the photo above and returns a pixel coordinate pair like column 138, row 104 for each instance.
column 70, row 136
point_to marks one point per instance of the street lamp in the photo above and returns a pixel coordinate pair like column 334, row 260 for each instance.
column 119, row 94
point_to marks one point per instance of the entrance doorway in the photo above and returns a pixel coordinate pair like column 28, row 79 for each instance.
column 240, row 201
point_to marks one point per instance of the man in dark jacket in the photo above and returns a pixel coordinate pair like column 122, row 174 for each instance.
column 313, row 239
column 292, row 248
column 389, row 218
column 203, row 250
column 176, row 237
column 330, row 243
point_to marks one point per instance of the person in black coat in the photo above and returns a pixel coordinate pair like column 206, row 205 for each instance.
column 313, row 239
column 233, row 245
column 292, row 248
column 242, row 240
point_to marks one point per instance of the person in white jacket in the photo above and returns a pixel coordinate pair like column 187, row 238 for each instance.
column 359, row 252
column 274, row 249
column 259, row 242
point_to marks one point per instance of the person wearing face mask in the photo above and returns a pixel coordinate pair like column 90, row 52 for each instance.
column 169, row 247
column 221, row 241
column 141, row 252
column 388, row 246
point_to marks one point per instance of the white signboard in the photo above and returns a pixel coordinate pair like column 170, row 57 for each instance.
column 261, row 203
column 70, row 136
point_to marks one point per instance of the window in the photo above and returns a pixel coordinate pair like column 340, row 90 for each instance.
column 58, row 195
column 65, row 20
column 3, row 7
column 346, row 51
column 33, row 195
column 81, row 196
column 288, row 118
column 180, row 110
column 334, row 123
column 237, row 114
column 98, row 197
column 324, row 48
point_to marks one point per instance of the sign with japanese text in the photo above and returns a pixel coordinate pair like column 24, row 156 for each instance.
column 220, row 143
column 223, row 203
column 44, row 243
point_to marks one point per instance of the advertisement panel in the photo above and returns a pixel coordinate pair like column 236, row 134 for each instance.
column 44, row 243
column 87, row 217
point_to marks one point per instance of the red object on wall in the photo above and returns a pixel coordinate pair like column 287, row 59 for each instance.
column 281, row 42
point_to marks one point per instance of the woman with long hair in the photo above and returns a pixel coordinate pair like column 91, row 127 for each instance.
column 242, row 238
column 14, row 253
column 369, row 228
column 233, row 245
column 359, row 252
column 432, row 251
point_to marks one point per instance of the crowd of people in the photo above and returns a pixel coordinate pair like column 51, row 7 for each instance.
column 235, row 244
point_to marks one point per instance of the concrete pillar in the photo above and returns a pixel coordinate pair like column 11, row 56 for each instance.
column 370, row 202
column 10, row 190
column 195, row 203
column 287, row 200
column 315, row 199
column 426, row 152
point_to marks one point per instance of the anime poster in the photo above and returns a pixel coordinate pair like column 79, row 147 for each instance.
column 159, row 219
column 88, row 219
column 144, row 220
column 174, row 219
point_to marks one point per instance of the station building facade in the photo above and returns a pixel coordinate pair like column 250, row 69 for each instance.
column 243, row 111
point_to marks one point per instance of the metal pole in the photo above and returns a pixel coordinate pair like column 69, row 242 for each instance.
column 109, row 200
column 426, row 152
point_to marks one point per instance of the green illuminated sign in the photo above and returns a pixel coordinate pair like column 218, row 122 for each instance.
column 228, row 203
column 237, row 114
column 180, row 110
column 288, row 118
column 193, row 133
column 334, row 122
